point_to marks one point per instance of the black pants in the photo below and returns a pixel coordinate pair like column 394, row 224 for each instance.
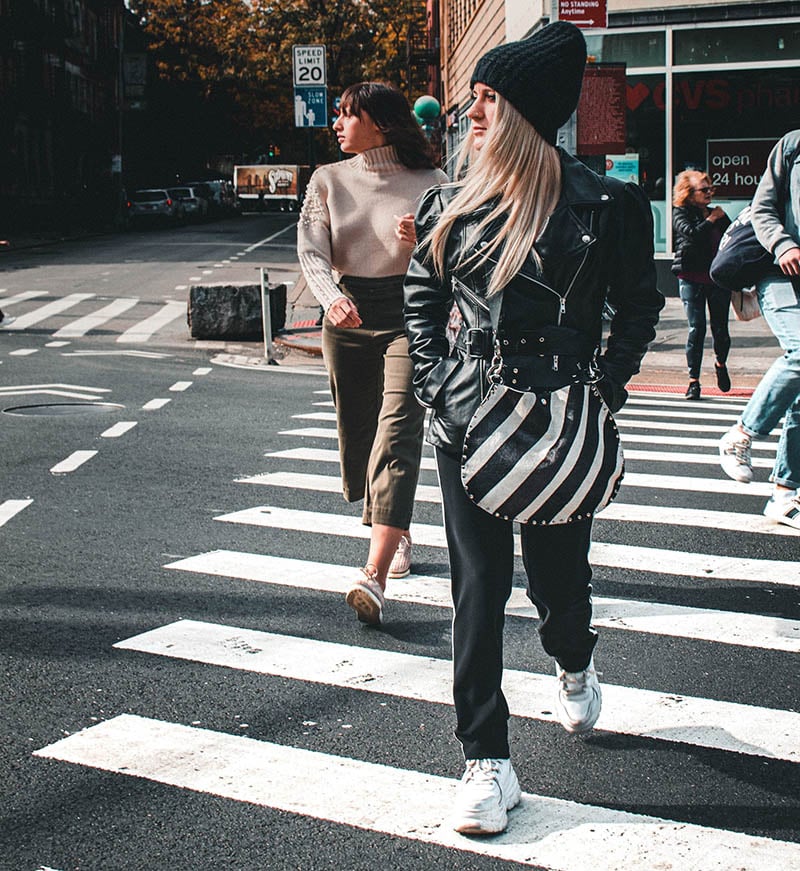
column 481, row 551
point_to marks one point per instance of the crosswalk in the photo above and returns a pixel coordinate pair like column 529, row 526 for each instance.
column 132, row 320
column 743, row 555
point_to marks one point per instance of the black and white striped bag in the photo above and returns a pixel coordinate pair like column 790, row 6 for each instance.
column 539, row 458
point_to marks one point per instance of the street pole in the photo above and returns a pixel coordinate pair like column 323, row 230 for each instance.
column 266, row 319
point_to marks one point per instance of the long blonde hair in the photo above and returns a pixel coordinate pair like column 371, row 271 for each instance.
column 523, row 172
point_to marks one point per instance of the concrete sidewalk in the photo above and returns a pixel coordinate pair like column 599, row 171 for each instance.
column 753, row 350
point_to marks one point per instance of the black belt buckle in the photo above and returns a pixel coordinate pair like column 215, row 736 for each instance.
column 476, row 343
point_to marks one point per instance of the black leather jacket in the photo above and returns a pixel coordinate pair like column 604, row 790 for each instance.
column 694, row 239
column 597, row 244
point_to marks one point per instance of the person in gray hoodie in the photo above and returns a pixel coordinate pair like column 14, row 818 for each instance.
column 776, row 220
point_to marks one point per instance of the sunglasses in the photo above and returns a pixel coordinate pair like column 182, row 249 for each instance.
column 705, row 190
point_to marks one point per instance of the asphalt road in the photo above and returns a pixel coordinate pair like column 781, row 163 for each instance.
column 184, row 688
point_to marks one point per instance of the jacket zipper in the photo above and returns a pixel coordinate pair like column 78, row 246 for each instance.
column 469, row 293
column 562, row 300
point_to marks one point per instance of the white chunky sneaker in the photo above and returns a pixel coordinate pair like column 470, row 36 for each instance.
column 401, row 561
column 734, row 455
column 784, row 509
column 366, row 598
column 487, row 791
column 579, row 699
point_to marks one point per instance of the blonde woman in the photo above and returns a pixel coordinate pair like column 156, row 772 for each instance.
column 532, row 241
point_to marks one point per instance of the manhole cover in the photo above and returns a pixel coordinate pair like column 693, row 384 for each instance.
column 59, row 409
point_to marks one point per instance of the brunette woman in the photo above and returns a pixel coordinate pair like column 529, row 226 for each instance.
column 355, row 238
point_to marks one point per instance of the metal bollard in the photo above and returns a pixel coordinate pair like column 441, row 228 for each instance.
column 266, row 318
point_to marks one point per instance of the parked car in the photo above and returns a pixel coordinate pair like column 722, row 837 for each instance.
column 220, row 195
column 153, row 205
column 195, row 207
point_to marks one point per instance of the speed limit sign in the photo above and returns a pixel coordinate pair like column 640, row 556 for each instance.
column 309, row 65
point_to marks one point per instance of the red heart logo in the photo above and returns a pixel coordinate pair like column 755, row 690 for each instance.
column 636, row 95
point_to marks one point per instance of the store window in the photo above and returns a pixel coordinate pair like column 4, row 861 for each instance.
column 725, row 123
column 644, row 49
column 773, row 42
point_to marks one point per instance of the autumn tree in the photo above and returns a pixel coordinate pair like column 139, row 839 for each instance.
column 238, row 53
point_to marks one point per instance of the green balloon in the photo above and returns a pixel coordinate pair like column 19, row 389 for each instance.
column 427, row 108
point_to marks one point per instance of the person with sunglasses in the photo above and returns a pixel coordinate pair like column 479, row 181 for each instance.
column 697, row 229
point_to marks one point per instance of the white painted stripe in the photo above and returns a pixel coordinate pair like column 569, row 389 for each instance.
column 181, row 286
column 689, row 459
column 15, row 388
column 328, row 404
column 695, row 484
column 180, row 386
column 428, row 493
column 313, row 432
column 23, row 352
column 671, row 426
column 321, row 455
column 47, row 311
column 729, row 726
column 709, row 567
column 21, row 297
column 72, row 462
column 703, row 414
column 727, row 404
column 316, row 415
column 721, row 627
column 545, row 832
column 324, row 484
column 118, row 429
column 142, row 331
column 642, row 439
column 202, row 370
column 81, row 326
column 11, row 507
column 56, row 344
column 154, row 404
column 697, row 517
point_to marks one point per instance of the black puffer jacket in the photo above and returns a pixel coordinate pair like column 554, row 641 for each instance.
column 597, row 244
column 696, row 239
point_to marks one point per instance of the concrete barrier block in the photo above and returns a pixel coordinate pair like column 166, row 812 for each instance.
column 233, row 311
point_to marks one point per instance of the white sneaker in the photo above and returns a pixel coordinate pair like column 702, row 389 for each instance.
column 401, row 561
column 784, row 510
column 366, row 598
column 578, row 700
column 487, row 791
column 734, row 455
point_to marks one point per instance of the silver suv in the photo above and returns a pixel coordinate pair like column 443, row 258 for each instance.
column 155, row 204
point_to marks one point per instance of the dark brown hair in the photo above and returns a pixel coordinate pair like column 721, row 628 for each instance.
column 392, row 114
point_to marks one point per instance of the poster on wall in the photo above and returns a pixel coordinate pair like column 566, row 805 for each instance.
column 625, row 167
column 601, row 110
column 736, row 165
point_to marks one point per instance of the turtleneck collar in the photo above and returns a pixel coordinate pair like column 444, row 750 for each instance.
column 382, row 159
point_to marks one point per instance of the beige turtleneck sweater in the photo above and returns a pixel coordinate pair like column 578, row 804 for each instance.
column 349, row 216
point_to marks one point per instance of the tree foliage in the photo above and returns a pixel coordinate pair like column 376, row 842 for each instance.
column 239, row 52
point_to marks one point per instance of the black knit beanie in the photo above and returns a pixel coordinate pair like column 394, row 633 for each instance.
column 540, row 76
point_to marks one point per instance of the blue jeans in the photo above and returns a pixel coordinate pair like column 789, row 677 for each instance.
column 778, row 392
column 695, row 297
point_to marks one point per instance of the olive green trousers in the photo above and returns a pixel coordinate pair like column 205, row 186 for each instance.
column 379, row 421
